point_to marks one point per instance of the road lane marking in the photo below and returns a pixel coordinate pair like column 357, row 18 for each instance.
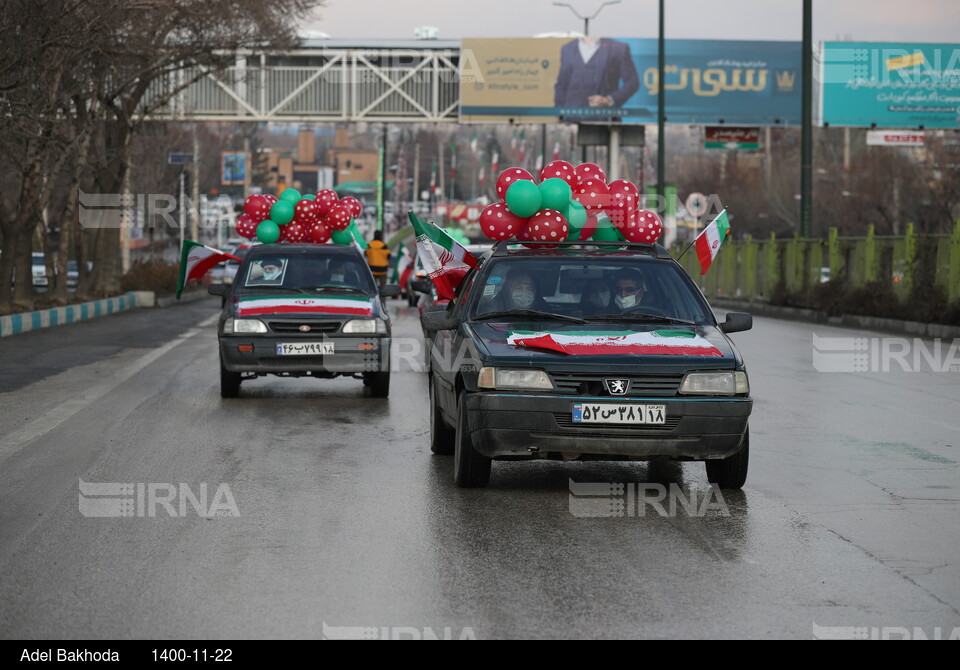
column 40, row 426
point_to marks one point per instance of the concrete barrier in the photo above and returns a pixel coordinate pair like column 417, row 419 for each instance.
column 14, row 324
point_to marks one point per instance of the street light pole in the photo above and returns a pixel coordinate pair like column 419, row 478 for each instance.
column 586, row 19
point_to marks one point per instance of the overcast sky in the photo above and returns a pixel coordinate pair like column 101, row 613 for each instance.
column 861, row 20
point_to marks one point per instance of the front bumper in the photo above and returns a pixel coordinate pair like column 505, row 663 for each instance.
column 351, row 355
column 504, row 424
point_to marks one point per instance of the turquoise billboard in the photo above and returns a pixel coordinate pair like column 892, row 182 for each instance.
column 890, row 84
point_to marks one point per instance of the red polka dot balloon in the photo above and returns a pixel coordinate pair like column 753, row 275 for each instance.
column 643, row 226
column 306, row 212
column 547, row 225
column 294, row 232
column 247, row 226
column 326, row 198
column 593, row 194
column 257, row 207
column 338, row 217
column 270, row 198
column 356, row 209
column 497, row 222
column 589, row 228
column 586, row 171
column 624, row 199
column 319, row 233
column 509, row 177
column 560, row 170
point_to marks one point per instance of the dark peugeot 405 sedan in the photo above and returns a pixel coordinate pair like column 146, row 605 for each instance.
column 586, row 353
column 304, row 310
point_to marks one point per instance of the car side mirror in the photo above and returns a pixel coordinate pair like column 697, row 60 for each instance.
column 737, row 322
column 438, row 320
column 218, row 289
column 422, row 285
column 390, row 290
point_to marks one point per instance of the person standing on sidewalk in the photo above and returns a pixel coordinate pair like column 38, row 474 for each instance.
column 378, row 258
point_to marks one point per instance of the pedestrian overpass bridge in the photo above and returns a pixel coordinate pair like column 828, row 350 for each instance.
column 322, row 80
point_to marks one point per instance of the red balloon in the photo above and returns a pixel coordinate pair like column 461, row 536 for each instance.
column 247, row 226
column 547, row 225
column 645, row 226
column 586, row 171
column 319, row 233
column 624, row 200
column 593, row 194
column 356, row 208
column 294, row 232
column 305, row 212
column 338, row 217
column 325, row 199
column 510, row 176
column 270, row 198
column 497, row 222
column 256, row 207
column 589, row 228
column 560, row 170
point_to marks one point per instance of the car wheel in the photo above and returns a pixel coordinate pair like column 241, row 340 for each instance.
column 441, row 435
column 471, row 469
column 229, row 382
column 731, row 472
column 412, row 298
column 379, row 383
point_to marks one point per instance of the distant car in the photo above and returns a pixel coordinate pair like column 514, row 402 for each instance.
column 39, row 270
column 298, row 310
column 580, row 353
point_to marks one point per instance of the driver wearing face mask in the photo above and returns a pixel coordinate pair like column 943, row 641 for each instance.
column 629, row 289
column 521, row 292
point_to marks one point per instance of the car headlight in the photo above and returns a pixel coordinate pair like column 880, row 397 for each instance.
column 511, row 378
column 365, row 326
column 715, row 383
column 237, row 326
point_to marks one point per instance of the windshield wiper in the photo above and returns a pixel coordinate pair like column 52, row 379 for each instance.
column 273, row 288
column 641, row 316
column 528, row 312
column 332, row 287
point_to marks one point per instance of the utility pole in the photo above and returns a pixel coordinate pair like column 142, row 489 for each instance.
column 806, row 131
column 661, row 113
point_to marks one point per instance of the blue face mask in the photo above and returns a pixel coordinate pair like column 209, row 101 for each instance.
column 522, row 297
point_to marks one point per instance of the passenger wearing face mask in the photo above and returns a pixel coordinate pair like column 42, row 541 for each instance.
column 338, row 273
column 596, row 298
column 520, row 292
column 628, row 290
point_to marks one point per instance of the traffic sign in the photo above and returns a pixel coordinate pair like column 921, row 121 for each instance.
column 180, row 159
column 696, row 204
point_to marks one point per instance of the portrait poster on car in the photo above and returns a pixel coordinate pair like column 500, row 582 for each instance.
column 542, row 80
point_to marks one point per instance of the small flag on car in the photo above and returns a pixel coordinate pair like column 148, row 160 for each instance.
column 196, row 259
column 446, row 261
column 708, row 242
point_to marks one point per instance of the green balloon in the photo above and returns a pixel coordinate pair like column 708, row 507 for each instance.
column 607, row 233
column 309, row 196
column 343, row 237
column 268, row 231
column 290, row 195
column 576, row 217
column 355, row 232
column 523, row 198
column 555, row 193
column 282, row 211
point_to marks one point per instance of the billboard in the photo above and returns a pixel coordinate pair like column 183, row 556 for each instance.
column 233, row 168
column 890, row 84
column 543, row 80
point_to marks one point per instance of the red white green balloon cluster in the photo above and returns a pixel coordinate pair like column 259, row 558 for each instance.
column 568, row 204
column 292, row 217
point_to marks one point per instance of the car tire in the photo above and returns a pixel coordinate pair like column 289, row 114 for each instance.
column 229, row 382
column 471, row 469
column 412, row 299
column 441, row 435
column 379, row 383
column 731, row 472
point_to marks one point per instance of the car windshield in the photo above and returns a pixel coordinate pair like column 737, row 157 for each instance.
column 602, row 289
column 335, row 272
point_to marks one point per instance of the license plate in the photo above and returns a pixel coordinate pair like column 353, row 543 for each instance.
column 304, row 348
column 589, row 412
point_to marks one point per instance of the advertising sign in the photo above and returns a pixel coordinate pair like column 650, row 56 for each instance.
column 731, row 137
column 604, row 79
column 233, row 168
column 896, row 138
column 890, row 84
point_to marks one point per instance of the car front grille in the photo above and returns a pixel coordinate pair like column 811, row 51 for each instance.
column 293, row 327
column 641, row 386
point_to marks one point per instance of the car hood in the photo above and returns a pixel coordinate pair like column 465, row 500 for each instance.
column 603, row 347
column 307, row 304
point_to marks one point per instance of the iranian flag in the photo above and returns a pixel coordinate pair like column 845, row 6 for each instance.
column 605, row 343
column 304, row 304
column 445, row 260
column 196, row 259
column 708, row 242
column 402, row 267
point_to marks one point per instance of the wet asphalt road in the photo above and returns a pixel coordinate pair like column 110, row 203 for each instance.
column 850, row 517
